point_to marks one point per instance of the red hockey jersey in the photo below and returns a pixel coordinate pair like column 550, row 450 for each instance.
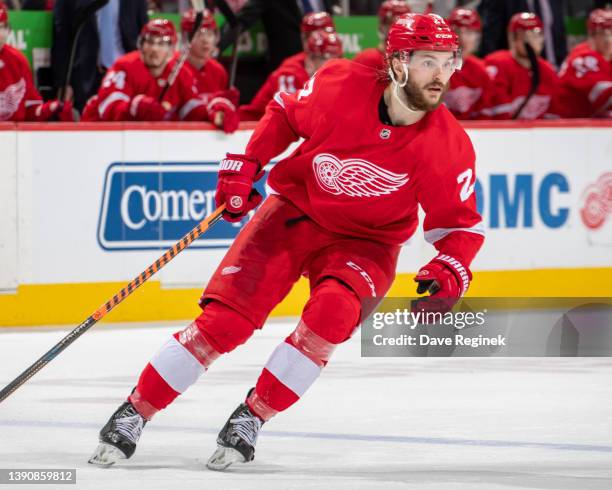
column 129, row 77
column 470, row 90
column 357, row 176
column 512, row 83
column 371, row 57
column 212, row 77
column 289, row 77
column 18, row 96
column 586, row 84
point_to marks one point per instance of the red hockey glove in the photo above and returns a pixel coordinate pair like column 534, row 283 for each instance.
column 90, row 111
column 231, row 94
column 446, row 280
column 237, row 173
column 145, row 108
column 55, row 110
column 222, row 110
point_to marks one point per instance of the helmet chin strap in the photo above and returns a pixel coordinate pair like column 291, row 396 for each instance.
column 397, row 85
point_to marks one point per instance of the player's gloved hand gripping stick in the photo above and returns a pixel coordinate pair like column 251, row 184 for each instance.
column 101, row 312
column 237, row 174
column 445, row 279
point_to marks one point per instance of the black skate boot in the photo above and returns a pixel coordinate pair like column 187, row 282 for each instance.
column 236, row 441
column 118, row 438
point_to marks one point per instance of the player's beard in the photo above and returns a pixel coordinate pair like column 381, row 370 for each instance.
column 416, row 98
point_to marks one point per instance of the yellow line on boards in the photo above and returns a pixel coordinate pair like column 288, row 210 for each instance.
column 56, row 304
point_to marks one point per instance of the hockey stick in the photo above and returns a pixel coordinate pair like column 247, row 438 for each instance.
column 226, row 11
column 234, row 58
column 198, row 6
column 232, row 20
column 535, row 78
column 81, row 17
column 101, row 312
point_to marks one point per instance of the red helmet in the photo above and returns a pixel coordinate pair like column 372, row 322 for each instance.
column 324, row 43
column 189, row 17
column 599, row 19
column 161, row 28
column 525, row 21
column 467, row 18
column 413, row 32
column 317, row 20
column 390, row 10
column 3, row 13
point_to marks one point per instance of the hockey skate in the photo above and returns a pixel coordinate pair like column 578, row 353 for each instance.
column 118, row 438
column 236, row 441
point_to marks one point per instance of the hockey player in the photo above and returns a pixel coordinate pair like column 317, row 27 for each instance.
column 343, row 204
column 19, row 99
column 470, row 88
column 316, row 21
column 210, row 75
column 388, row 13
column 511, row 74
column 294, row 72
column 586, row 74
column 130, row 89
column 311, row 22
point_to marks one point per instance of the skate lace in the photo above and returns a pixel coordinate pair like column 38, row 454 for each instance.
column 130, row 427
column 246, row 428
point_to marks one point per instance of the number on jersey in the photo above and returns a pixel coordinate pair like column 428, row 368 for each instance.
column 467, row 188
column 286, row 83
column 116, row 78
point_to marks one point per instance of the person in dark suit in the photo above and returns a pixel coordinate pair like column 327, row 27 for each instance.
column 35, row 5
column 281, row 20
column 88, row 71
column 496, row 14
column 25, row 4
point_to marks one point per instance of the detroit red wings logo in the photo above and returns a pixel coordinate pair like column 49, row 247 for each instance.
column 537, row 105
column 597, row 202
column 10, row 98
column 354, row 177
column 462, row 98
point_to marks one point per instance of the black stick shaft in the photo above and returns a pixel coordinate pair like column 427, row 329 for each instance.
column 234, row 65
column 232, row 20
column 535, row 79
column 181, row 61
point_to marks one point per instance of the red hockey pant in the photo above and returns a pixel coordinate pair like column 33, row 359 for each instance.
column 348, row 276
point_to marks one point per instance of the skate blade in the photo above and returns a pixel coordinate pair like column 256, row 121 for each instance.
column 106, row 455
column 224, row 457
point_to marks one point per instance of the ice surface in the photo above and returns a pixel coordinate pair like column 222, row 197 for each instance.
column 366, row 423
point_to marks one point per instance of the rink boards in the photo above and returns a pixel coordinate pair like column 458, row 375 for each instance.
column 85, row 208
